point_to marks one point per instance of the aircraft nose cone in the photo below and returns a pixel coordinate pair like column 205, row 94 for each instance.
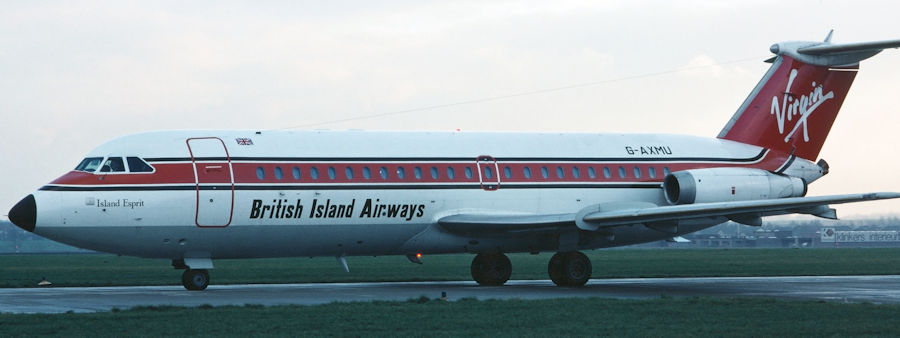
column 24, row 213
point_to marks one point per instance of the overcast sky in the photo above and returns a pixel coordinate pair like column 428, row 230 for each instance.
column 75, row 74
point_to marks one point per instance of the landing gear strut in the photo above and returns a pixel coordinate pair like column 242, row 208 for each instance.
column 569, row 268
column 195, row 280
column 491, row 268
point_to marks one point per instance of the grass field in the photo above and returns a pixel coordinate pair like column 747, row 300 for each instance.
column 105, row 270
column 36, row 246
column 663, row 317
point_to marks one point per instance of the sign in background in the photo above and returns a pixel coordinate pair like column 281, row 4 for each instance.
column 830, row 235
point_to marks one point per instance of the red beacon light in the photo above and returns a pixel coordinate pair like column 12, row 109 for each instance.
column 415, row 258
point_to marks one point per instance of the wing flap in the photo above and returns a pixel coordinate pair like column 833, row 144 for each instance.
column 481, row 223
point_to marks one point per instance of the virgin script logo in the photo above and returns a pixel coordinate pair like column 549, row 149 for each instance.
column 799, row 109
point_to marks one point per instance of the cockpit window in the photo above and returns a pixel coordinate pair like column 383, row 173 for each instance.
column 113, row 165
column 137, row 165
column 89, row 164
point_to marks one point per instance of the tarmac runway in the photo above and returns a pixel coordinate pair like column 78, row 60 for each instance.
column 875, row 289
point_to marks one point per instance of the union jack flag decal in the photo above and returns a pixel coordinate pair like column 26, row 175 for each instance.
column 244, row 141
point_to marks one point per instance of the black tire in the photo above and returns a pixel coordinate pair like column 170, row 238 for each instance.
column 577, row 269
column 491, row 269
column 195, row 280
column 569, row 268
column 555, row 269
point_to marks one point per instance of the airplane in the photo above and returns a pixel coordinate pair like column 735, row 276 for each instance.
column 197, row 195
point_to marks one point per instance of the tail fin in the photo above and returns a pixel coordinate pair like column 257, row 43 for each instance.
column 796, row 102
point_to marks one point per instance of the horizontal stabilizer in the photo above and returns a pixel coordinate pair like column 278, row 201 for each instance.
column 832, row 54
column 848, row 47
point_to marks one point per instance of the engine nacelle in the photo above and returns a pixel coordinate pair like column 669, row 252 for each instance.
column 729, row 184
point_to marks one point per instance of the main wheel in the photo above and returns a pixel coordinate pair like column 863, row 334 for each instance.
column 578, row 269
column 195, row 280
column 569, row 268
column 555, row 269
column 491, row 268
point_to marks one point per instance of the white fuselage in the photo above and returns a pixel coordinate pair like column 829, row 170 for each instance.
column 234, row 194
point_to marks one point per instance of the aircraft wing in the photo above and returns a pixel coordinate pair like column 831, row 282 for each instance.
column 817, row 206
column 603, row 216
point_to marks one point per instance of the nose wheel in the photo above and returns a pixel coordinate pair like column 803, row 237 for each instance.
column 195, row 280
column 569, row 268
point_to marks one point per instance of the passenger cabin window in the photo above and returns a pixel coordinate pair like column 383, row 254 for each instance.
column 279, row 174
column 260, row 173
column 451, row 174
column 137, row 165
column 527, row 172
column 113, row 165
column 89, row 164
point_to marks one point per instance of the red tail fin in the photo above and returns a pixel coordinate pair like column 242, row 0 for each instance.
column 796, row 102
column 792, row 108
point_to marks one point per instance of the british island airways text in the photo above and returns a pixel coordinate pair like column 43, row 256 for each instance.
column 791, row 106
column 328, row 209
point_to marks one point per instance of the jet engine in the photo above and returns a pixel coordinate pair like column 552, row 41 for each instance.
column 729, row 184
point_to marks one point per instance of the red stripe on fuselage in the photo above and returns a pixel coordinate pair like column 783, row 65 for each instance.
column 246, row 172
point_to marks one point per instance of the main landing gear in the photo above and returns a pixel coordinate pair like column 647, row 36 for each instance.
column 569, row 268
column 566, row 268
column 491, row 269
column 195, row 279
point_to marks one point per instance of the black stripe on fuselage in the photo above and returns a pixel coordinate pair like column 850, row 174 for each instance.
column 650, row 185
column 129, row 188
column 758, row 156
